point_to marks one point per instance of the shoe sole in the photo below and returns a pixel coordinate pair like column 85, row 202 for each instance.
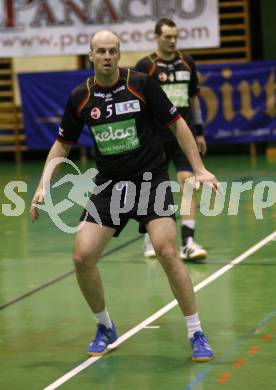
column 95, row 354
column 151, row 256
column 198, row 257
column 202, row 359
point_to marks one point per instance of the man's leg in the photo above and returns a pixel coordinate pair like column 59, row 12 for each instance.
column 90, row 242
column 149, row 251
column 162, row 232
column 190, row 250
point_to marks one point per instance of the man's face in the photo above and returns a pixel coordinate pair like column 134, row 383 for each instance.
column 167, row 40
column 105, row 56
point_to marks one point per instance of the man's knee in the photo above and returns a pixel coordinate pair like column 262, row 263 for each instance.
column 83, row 261
column 166, row 252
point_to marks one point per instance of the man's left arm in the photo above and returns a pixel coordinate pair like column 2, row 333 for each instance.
column 188, row 144
column 169, row 117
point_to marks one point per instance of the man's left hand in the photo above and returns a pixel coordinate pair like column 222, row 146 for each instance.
column 207, row 177
column 201, row 144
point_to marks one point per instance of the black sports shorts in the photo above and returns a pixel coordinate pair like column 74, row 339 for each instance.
column 144, row 199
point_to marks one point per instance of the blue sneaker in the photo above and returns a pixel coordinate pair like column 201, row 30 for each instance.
column 103, row 338
column 202, row 351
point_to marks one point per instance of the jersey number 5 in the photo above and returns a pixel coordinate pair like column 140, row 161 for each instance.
column 109, row 110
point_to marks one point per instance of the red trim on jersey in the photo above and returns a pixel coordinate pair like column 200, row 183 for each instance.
column 183, row 61
column 173, row 121
column 153, row 66
column 176, row 53
column 65, row 142
column 85, row 100
column 152, row 69
column 132, row 90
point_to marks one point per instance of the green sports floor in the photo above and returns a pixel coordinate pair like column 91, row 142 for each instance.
column 45, row 325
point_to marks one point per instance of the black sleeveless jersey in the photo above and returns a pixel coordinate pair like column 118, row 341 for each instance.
column 178, row 79
column 121, row 122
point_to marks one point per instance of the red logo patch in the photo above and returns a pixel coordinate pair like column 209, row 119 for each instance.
column 95, row 113
column 162, row 76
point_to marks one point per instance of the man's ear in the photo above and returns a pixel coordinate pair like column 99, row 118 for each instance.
column 90, row 55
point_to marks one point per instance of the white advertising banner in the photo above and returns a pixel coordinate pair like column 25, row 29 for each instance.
column 60, row 27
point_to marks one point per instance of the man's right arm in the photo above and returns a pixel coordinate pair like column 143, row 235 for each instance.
column 57, row 150
column 197, row 124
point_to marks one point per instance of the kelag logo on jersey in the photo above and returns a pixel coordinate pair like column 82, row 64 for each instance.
column 126, row 107
column 116, row 137
column 177, row 93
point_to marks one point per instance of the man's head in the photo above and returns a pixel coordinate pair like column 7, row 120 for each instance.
column 104, row 53
column 166, row 36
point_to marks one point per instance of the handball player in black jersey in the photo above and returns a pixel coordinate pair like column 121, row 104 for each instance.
column 119, row 107
column 175, row 72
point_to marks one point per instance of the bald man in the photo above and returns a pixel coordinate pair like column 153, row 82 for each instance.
column 120, row 107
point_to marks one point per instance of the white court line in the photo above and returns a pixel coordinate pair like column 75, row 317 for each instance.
column 162, row 311
column 152, row 327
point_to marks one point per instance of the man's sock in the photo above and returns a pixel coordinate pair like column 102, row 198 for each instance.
column 103, row 318
column 187, row 231
column 193, row 324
